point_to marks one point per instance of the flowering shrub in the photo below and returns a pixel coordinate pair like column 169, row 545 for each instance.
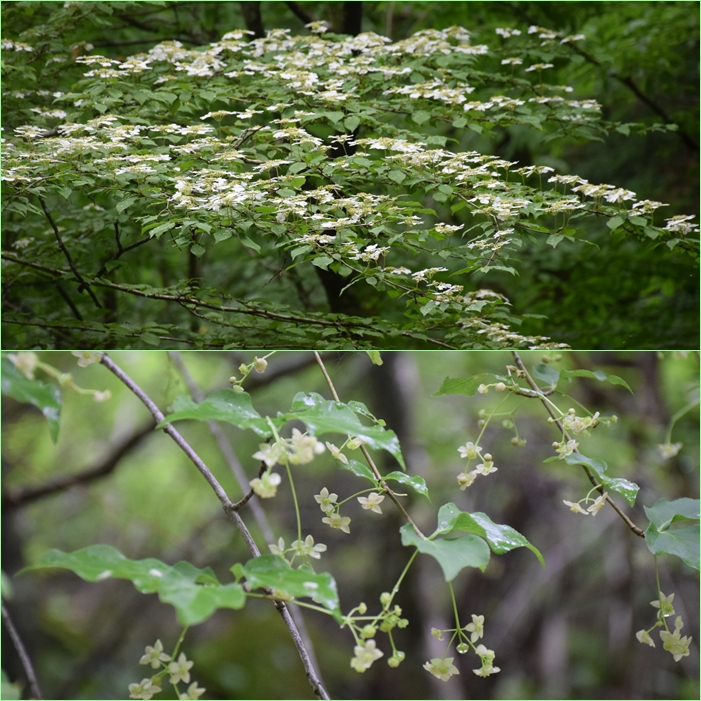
column 297, row 190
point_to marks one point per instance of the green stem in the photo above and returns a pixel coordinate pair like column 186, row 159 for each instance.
column 294, row 499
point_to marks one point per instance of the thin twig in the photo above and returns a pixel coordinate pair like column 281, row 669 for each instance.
column 21, row 651
column 538, row 392
column 228, row 506
column 26, row 496
column 367, row 456
column 67, row 254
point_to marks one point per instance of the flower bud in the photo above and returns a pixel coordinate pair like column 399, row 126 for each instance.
column 515, row 440
column 481, row 423
column 362, row 608
column 260, row 364
column 243, row 369
column 500, row 387
column 385, row 598
column 368, row 631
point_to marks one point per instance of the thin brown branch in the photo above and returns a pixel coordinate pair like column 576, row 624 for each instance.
column 299, row 13
column 67, row 254
column 22, row 652
column 59, row 484
column 228, row 506
column 539, row 393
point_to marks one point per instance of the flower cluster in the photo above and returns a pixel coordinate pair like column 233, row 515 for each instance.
column 674, row 643
column 176, row 670
column 472, row 452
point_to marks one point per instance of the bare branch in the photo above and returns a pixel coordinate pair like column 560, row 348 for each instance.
column 67, row 254
column 22, row 652
column 299, row 13
column 102, row 469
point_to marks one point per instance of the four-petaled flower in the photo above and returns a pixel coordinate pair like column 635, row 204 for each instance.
column 180, row 669
column 466, row 480
column 193, row 692
column 372, row 502
column 86, row 358
column 278, row 549
column 664, row 604
column 144, row 690
column 335, row 520
column 266, row 485
column 154, row 655
column 325, row 500
column 336, row 453
column 476, row 628
column 469, row 450
column 598, row 504
column 486, row 467
column 575, row 507
column 644, row 637
column 441, row 667
column 271, row 453
column 307, row 548
column 669, row 450
column 365, row 655
column 673, row 642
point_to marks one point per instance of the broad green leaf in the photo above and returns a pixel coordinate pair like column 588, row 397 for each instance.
column 466, row 385
column 125, row 204
column 628, row 490
column 324, row 416
column 452, row 554
column 554, row 239
column 161, row 229
column 546, row 374
column 397, row 176
column 501, row 538
column 246, row 241
column 194, row 593
column 421, row 116
column 224, row 405
column 674, row 529
column 358, row 469
column 322, row 262
column 272, row 571
column 351, row 123
column 150, row 338
column 614, row 223
column 416, row 482
column 197, row 250
column 46, row 398
column 596, row 375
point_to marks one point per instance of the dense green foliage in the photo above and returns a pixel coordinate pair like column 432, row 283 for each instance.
column 345, row 191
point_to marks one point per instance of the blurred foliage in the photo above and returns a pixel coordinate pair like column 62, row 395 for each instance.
column 564, row 632
column 639, row 60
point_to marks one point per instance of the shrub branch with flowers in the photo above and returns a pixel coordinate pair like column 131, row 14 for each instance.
column 289, row 575
column 309, row 190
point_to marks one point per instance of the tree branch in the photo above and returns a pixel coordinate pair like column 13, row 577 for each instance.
column 26, row 496
column 538, row 392
column 299, row 13
column 22, row 652
column 252, row 18
column 67, row 254
column 229, row 509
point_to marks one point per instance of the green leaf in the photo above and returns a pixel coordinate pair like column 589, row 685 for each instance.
column 322, row 262
column 358, row 469
column 501, row 539
column 674, row 529
column 554, row 239
column 224, row 405
column 151, row 339
column 452, row 554
column 614, row 223
column 596, row 375
column 272, row 571
column 397, row 176
column 466, row 385
column 414, row 481
column 46, row 398
column 351, row 123
column 197, row 250
column 375, row 357
column 421, row 116
column 246, row 241
column 628, row 490
column 475, row 127
column 324, row 416
column 194, row 593
column 125, row 204
column 296, row 167
column 161, row 229
column 546, row 374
